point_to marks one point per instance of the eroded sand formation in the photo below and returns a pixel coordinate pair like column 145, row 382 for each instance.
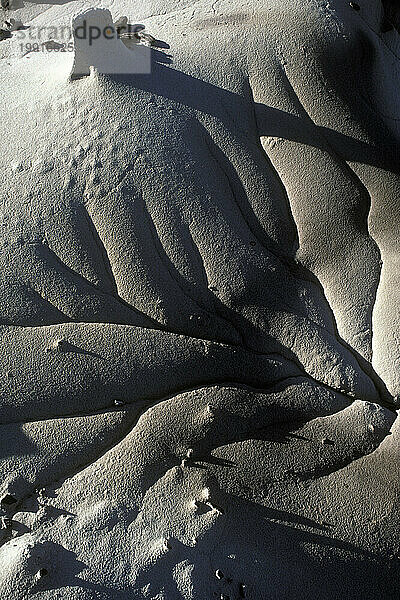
column 199, row 303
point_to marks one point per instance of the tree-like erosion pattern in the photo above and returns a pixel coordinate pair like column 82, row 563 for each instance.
column 199, row 307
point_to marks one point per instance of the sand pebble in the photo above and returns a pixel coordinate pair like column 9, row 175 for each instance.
column 218, row 509
column 209, row 410
column 60, row 344
column 40, row 574
column 355, row 5
column 146, row 38
column 167, row 545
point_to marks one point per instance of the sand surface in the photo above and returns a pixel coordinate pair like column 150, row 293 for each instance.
column 199, row 304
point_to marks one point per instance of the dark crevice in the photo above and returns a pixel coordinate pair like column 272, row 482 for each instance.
column 102, row 250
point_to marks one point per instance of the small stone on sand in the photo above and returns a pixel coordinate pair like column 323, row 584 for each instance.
column 40, row 574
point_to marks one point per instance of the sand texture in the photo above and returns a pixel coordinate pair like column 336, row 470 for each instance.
column 200, row 302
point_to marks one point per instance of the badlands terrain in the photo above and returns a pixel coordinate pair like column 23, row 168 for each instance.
column 199, row 300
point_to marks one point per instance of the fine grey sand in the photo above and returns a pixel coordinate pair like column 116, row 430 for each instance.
column 199, row 301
